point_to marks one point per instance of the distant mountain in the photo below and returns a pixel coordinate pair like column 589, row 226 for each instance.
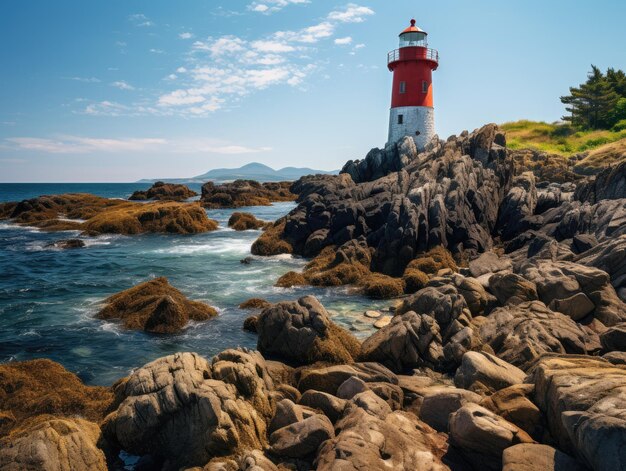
column 252, row 171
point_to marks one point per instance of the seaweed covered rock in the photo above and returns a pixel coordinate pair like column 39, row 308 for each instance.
column 244, row 193
column 271, row 242
column 97, row 215
column 49, row 444
column 302, row 332
column 155, row 306
column 164, row 191
column 35, row 387
column 245, row 221
column 186, row 411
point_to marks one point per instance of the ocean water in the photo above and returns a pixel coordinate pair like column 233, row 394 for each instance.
column 48, row 297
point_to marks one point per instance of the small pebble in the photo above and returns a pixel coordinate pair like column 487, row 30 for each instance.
column 372, row 314
column 382, row 322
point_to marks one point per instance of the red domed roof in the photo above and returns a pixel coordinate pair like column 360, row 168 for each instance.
column 413, row 29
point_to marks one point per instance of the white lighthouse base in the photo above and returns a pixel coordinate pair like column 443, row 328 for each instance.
column 417, row 122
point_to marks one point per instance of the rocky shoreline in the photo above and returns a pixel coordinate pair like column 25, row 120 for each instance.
column 506, row 348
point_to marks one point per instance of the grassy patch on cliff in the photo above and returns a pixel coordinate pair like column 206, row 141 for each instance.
column 603, row 147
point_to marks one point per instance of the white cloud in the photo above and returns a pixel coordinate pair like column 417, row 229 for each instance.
column 67, row 144
column 352, row 13
column 157, row 51
column 122, row 85
column 140, row 20
column 106, row 108
column 181, row 70
column 185, row 35
column 223, row 45
column 343, row 41
column 271, row 46
column 271, row 6
column 181, row 97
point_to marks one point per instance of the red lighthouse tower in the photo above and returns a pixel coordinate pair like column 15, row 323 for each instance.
column 412, row 64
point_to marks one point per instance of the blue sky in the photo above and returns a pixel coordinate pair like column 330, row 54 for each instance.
column 119, row 90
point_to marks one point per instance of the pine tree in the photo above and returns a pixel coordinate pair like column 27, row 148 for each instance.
column 591, row 105
column 617, row 80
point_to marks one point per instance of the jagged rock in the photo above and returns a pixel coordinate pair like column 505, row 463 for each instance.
column 391, row 440
column 583, row 242
column 244, row 193
column 331, row 406
column 164, row 191
column 609, row 256
column 411, row 340
column 575, row 290
column 537, row 457
column 301, row 331
column 50, row 444
column 34, row 387
column 614, row 338
column 616, row 358
column 301, row 438
column 551, row 197
column 438, row 404
column 610, row 183
column 448, row 195
column 154, row 306
column 518, row 206
column 584, row 400
column 607, row 218
column 476, row 298
column 510, row 288
column 186, row 411
column 484, row 373
column 328, row 379
column 514, row 404
column 481, row 436
column 520, row 334
column 381, row 162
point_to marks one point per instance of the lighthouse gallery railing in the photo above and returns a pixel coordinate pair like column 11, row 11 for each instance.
column 405, row 53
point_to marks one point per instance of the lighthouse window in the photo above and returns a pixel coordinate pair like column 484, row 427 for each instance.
column 424, row 86
column 402, row 87
column 400, row 118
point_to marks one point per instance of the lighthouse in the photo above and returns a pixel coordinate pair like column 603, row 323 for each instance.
column 412, row 113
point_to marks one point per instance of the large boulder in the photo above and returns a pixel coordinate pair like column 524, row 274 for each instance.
column 184, row 410
column 614, row 338
column 515, row 405
column 154, row 306
column 302, row 332
column 439, row 402
column 50, row 444
column 380, row 440
column 584, row 400
column 481, row 436
column 520, row 334
column 575, row 290
column 485, row 373
column 303, row 438
column 536, row 457
column 425, row 323
column 510, row 288
column 328, row 379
